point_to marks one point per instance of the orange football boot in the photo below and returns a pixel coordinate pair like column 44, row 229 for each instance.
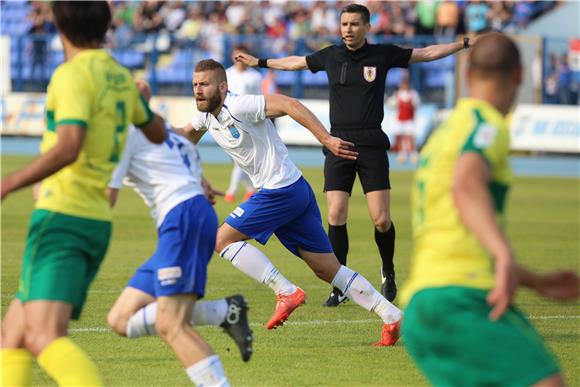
column 285, row 305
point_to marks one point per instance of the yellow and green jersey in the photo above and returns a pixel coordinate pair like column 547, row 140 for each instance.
column 446, row 253
column 91, row 90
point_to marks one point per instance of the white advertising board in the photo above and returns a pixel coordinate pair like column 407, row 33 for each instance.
column 23, row 113
column 546, row 128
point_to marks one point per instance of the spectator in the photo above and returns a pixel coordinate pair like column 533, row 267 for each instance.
column 447, row 18
column 523, row 12
column 122, row 26
column 191, row 27
column 476, row 16
column 501, row 18
column 380, row 23
column 173, row 14
column 398, row 22
column 564, row 80
column 38, row 32
column 148, row 17
column 426, row 10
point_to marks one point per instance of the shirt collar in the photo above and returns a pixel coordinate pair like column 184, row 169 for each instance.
column 362, row 48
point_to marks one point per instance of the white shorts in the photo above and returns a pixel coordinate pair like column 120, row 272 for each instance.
column 406, row 128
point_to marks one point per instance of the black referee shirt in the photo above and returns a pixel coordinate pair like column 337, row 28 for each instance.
column 357, row 81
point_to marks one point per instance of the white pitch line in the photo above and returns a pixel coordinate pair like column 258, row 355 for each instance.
column 326, row 322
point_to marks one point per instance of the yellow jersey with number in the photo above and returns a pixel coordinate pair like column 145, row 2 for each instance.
column 93, row 91
column 446, row 253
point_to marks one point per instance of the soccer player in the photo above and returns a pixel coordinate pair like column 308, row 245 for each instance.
column 242, row 80
column 460, row 326
column 406, row 101
column 162, row 295
column 285, row 204
column 356, row 73
column 90, row 102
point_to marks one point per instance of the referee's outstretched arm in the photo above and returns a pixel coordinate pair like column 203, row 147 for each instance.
column 436, row 51
column 287, row 63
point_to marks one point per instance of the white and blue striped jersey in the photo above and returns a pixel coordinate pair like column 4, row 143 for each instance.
column 163, row 175
column 251, row 140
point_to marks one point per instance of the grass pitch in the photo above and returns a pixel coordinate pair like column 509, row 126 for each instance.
column 319, row 346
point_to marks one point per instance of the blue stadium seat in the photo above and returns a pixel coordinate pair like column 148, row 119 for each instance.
column 314, row 79
column 394, row 77
column 129, row 58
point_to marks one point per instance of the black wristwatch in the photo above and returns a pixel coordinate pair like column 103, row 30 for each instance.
column 466, row 42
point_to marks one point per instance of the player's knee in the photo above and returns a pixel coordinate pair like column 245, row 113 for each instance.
column 337, row 215
column 382, row 222
column 169, row 327
column 117, row 322
column 221, row 244
column 35, row 340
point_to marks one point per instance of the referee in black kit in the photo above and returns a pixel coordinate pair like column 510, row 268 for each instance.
column 356, row 73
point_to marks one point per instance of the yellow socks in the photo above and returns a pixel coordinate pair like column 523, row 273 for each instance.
column 16, row 367
column 68, row 364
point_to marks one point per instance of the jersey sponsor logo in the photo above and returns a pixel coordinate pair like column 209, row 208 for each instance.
column 169, row 275
column 238, row 212
column 369, row 73
column 234, row 131
column 485, row 136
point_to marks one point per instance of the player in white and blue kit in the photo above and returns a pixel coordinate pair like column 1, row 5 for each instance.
column 162, row 295
column 285, row 204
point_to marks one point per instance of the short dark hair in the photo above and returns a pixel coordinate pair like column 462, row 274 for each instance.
column 84, row 23
column 494, row 55
column 211, row 65
column 242, row 47
column 360, row 9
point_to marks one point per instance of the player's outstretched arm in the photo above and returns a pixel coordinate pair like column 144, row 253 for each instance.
column 278, row 105
column 286, row 63
column 474, row 203
column 190, row 133
column 559, row 285
column 65, row 152
column 434, row 52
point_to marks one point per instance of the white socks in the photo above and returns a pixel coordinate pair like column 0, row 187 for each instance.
column 208, row 372
column 142, row 323
column 252, row 262
column 209, row 312
column 357, row 288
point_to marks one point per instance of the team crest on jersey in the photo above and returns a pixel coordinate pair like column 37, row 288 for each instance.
column 234, row 132
column 369, row 73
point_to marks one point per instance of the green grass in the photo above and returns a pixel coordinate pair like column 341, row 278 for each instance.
column 319, row 346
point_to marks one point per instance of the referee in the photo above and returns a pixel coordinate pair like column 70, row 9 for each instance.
column 356, row 73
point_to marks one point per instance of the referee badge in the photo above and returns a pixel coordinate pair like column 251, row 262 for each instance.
column 369, row 73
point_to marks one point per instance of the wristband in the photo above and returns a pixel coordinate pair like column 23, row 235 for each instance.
column 466, row 42
column 263, row 63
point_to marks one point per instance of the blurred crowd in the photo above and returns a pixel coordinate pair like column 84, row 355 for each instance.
column 295, row 19
column 205, row 24
column 560, row 85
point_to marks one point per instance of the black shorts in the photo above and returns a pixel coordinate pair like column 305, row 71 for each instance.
column 372, row 164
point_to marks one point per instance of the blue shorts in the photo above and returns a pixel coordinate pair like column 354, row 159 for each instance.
column 290, row 212
column 186, row 241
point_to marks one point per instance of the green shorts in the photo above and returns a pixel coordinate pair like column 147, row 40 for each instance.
column 449, row 334
column 63, row 254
